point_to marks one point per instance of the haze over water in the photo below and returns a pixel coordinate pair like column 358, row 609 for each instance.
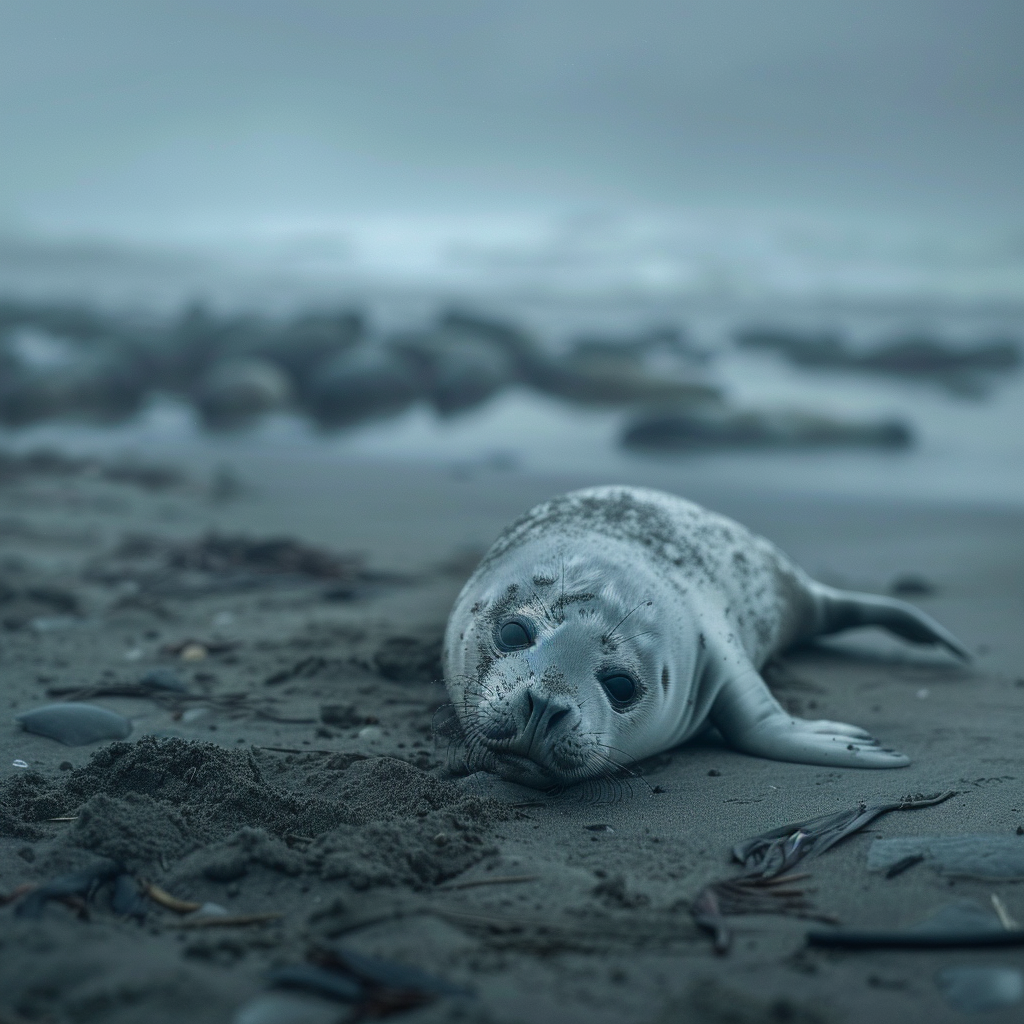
column 577, row 167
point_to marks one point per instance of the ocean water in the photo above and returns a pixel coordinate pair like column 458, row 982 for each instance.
column 562, row 276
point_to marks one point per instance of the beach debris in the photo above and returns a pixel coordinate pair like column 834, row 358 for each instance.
column 238, row 390
column 407, row 659
column 127, row 899
column 696, row 429
column 165, row 899
column 75, row 724
column 368, row 382
column 308, row 978
column 18, row 466
column 286, row 1008
column 662, row 346
column 16, row 893
column 377, row 987
column 597, row 380
column 179, row 648
column 912, row 585
column 75, row 889
column 458, row 369
column 995, row 857
column 710, row 1002
column 904, row 865
column 765, row 887
column 224, row 920
column 344, row 716
column 163, row 679
column 1005, row 918
column 305, row 668
column 963, row 369
column 211, row 910
column 979, row 989
column 963, row 924
column 220, row 563
column 473, row 883
column 778, row 851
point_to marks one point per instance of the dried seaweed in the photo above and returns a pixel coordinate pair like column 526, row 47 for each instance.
column 217, row 563
column 75, row 889
column 375, row 987
column 768, row 859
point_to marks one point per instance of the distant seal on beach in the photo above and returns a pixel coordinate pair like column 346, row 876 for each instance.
column 613, row 623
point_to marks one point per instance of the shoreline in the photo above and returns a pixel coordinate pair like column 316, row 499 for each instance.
column 602, row 931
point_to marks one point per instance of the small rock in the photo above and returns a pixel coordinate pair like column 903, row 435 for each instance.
column 977, row 989
column 163, row 679
column 287, row 1009
column 75, row 724
column 910, row 585
column 211, row 910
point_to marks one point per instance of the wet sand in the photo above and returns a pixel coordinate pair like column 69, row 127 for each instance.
column 299, row 776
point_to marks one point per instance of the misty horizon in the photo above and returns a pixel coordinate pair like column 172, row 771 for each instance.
column 120, row 119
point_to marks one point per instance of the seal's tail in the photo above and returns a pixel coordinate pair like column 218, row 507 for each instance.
column 844, row 609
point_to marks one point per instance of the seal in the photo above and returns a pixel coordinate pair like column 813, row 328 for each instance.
column 613, row 623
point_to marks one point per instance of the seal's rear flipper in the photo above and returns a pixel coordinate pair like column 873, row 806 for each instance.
column 844, row 609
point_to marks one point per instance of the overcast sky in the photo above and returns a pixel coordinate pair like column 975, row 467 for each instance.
column 139, row 111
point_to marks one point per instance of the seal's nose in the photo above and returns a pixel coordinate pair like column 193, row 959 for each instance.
column 542, row 714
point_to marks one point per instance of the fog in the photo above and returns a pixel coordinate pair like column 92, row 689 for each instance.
column 845, row 176
column 118, row 115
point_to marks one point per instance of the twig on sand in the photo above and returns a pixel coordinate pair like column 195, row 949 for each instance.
column 302, row 750
column 165, row 899
column 1005, row 918
column 225, row 920
column 16, row 893
column 497, row 880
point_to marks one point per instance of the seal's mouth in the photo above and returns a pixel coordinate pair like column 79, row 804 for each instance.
column 527, row 772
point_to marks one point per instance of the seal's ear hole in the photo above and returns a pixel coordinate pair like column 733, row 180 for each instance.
column 622, row 689
column 516, row 634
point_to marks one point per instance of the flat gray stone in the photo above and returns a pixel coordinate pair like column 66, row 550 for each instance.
column 977, row 989
column 968, row 856
column 75, row 724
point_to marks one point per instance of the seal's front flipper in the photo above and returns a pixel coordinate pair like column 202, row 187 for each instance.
column 844, row 609
column 753, row 721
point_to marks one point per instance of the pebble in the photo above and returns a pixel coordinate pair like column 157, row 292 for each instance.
column 979, row 989
column 279, row 1008
column 75, row 724
column 163, row 679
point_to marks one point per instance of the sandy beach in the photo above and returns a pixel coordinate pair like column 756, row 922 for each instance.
column 296, row 775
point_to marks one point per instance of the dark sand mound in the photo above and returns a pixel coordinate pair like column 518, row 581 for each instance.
column 374, row 820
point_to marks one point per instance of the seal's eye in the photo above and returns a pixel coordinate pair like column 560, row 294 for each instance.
column 515, row 634
column 622, row 690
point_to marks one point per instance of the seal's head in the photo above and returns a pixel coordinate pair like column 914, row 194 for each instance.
column 557, row 667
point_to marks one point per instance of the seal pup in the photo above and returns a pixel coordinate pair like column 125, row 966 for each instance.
column 612, row 623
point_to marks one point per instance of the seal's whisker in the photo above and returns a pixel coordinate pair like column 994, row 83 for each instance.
column 611, row 633
column 626, row 639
